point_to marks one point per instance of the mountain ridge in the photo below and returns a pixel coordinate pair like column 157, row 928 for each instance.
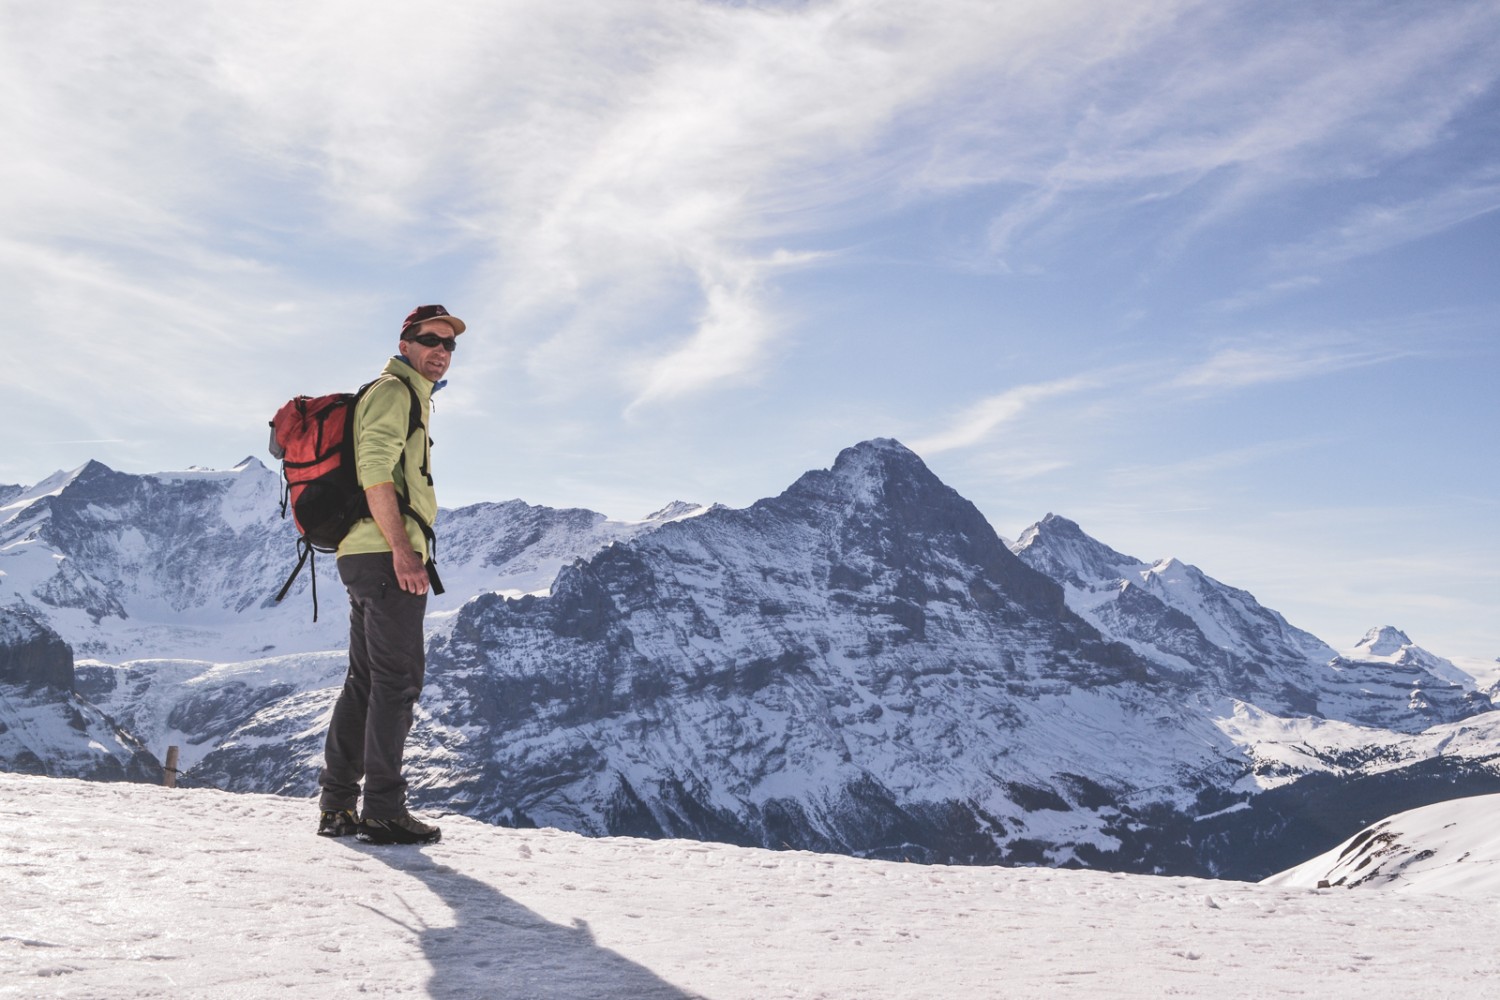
column 858, row 663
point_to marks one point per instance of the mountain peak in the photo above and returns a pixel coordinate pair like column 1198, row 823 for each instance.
column 83, row 479
column 1063, row 550
column 872, row 473
column 1387, row 640
column 875, row 446
column 677, row 510
column 1053, row 526
column 877, row 459
column 1388, row 644
column 92, row 469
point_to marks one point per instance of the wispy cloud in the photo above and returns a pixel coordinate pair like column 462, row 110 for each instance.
column 1267, row 102
column 1239, row 366
column 1186, row 477
column 1373, row 229
column 981, row 420
column 612, row 180
column 1109, row 395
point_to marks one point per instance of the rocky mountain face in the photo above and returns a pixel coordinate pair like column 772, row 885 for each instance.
column 168, row 564
column 859, row 664
column 164, row 584
column 45, row 728
column 187, row 564
column 848, row 666
column 32, row 656
column 515, row 548
column 1231, row 646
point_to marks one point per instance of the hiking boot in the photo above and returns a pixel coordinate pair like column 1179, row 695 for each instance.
column 404, row 830
column 338, row 823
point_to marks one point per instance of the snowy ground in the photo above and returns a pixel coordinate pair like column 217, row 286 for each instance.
column 137, row 891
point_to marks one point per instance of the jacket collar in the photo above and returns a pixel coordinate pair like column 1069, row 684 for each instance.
column 407, row 372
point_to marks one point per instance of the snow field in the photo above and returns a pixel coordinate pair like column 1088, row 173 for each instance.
column 138, row 891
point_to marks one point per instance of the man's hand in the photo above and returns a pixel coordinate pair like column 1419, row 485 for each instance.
column 411, row 571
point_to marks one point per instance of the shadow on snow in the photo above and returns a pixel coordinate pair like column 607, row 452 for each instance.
column 497, row 947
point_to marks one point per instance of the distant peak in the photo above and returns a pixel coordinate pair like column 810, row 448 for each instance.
column 1056, row 524
column 1386, row 640
column 869, row 467
column 93, row 467
column 89, row 475
column 1062, row 549
column 882, row 444
column 875, row 449
column 248, row 462
column 879, row 474
column 677, row 510
column 1047, row 529
column 1054, row 530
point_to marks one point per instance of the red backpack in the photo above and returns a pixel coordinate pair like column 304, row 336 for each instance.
column 313, row 437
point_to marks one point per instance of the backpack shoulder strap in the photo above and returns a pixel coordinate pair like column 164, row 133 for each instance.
column 414, row 420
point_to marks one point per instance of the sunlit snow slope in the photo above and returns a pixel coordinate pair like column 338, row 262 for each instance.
column 116, row 890
column 1449, row 847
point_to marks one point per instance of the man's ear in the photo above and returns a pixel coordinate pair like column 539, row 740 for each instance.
column 401, row 348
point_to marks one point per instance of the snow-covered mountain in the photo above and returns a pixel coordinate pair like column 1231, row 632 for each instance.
column 859, row 664
column 515, row 548
column 170, row 564
column 1386, row 660
column 1388, row 644
column 45, row 727
column 186, row 564
column 1176, row 614
column 164, row 583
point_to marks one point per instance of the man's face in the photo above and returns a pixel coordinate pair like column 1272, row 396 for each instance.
column 431, row 362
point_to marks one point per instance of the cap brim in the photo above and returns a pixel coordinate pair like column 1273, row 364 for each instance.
column 458, row 325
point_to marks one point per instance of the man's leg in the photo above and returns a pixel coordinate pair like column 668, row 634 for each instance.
column 344, row 750
column 394, row 651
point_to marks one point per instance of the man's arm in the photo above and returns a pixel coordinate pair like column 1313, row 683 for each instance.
column 411, row 572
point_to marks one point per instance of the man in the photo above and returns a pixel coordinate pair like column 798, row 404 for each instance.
column 385, row 562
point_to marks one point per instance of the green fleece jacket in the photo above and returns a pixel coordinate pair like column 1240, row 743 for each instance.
column 384, row 454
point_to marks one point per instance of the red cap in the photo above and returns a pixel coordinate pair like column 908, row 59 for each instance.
column 422, row 314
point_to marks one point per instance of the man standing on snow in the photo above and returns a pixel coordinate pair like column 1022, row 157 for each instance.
column 386, row 563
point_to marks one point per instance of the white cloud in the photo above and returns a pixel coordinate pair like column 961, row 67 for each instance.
column 609, row 180
column 978, row 422
column 1187, row 477
column 1373, row 229
column 1153, row 384
column 1242, row 103
column 1255, row 364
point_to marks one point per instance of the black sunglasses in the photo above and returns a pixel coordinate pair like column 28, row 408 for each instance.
column 433, row 340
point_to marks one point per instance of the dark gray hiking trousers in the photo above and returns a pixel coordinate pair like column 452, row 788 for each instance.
column 367, row 736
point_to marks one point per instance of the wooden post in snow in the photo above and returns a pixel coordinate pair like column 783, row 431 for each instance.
column 169, row 774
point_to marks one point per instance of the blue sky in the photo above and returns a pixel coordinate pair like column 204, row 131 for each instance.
column 1215, row 280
